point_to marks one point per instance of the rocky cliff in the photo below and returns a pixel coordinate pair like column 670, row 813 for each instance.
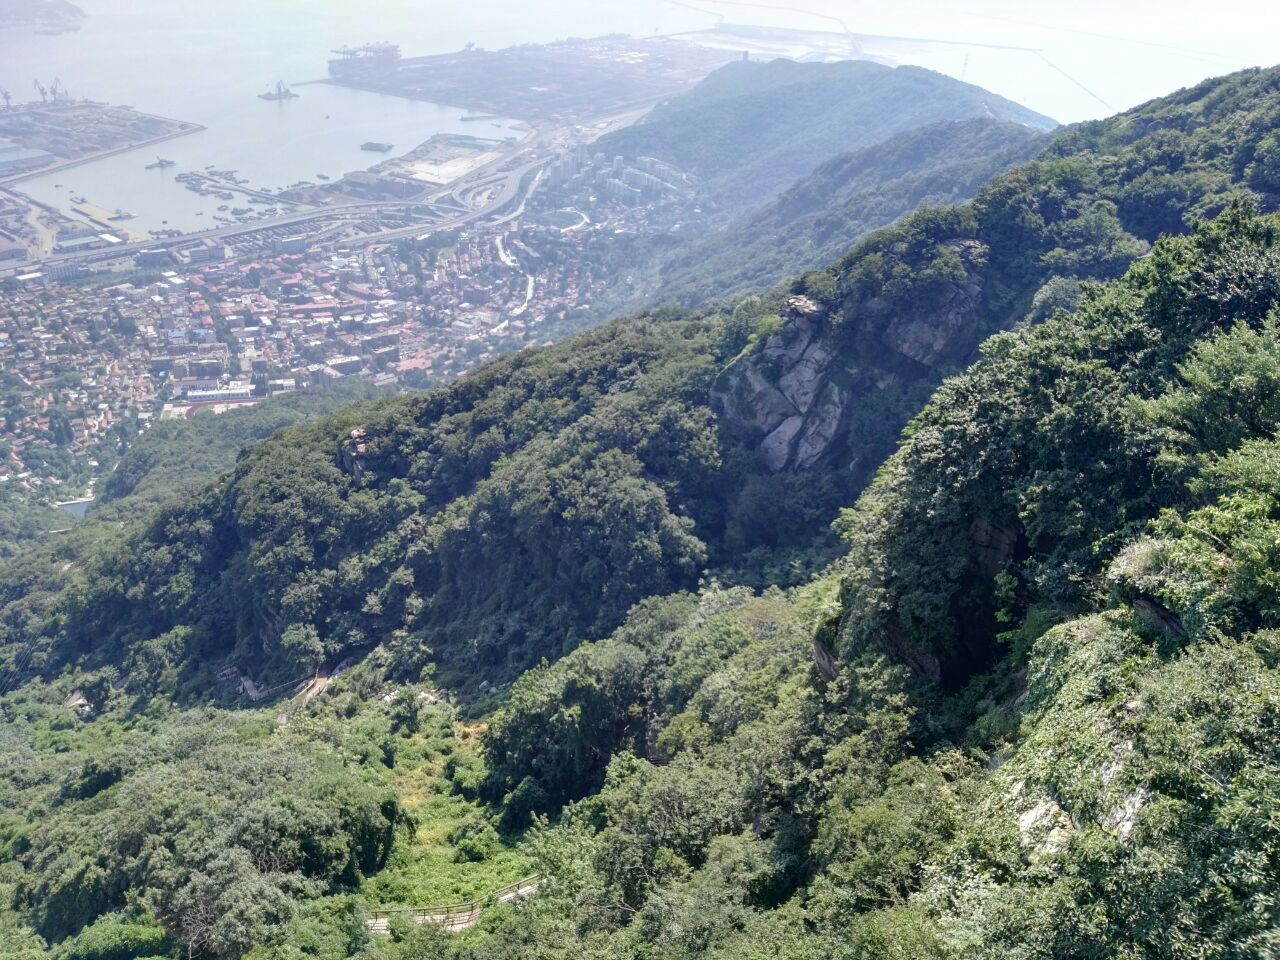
column 830, row 368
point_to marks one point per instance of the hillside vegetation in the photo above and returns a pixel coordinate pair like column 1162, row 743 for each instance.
column 819, row 217
column 726, row 130
column 1028, row 707
column 1057, row 740
column 527, row 507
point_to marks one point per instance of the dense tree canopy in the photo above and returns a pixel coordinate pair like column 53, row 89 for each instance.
column 1030, row 711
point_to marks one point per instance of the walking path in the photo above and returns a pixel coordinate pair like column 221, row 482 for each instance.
column 458, row 916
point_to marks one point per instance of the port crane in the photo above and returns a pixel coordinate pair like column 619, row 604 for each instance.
column 7, row 97
column 55, row 92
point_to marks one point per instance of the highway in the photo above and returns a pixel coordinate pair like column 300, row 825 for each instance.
column 510, row 180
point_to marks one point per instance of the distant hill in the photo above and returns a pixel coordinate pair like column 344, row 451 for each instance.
column 751, row 129
column 824, row 213
column 49, row 13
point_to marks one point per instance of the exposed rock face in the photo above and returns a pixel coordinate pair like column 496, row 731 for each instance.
column 825, row 659
column 1157, row 615
column 1045, row 829
column 351, row 457
column 776, row 447
column 795, row 399
column 782, row 397
column 1124, row 816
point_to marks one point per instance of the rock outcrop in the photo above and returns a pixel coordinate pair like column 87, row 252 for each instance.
column 353, row 453
column 782, row 398
column 796, row 398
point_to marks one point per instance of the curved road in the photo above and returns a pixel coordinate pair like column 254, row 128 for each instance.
column 511, row 184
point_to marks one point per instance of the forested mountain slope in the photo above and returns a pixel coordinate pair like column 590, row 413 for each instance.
column 905, row 305
column 726, row 130
column 1035, row 711
column 1032, row 711
column 525, row 508
column 819, row 217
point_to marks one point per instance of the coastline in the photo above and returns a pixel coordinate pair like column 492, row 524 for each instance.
column 188, row 129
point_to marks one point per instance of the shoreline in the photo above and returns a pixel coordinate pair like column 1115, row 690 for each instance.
column 189, row 128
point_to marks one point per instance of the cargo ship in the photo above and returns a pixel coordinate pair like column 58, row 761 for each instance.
column 281, row 92
column 377, row 146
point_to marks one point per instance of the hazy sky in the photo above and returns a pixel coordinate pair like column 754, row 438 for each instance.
column 1123, row 51
column 1074, row 60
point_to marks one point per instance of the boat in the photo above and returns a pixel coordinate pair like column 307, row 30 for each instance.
column 322, row 176
column 281, row 92
column 160, row 164
column 377, row 146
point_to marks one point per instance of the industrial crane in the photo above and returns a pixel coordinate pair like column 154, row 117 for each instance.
column 44, row 94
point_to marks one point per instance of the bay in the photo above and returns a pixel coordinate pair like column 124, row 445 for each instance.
column 207, row 63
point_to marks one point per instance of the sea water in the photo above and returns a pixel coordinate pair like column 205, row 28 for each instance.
column 207, row 62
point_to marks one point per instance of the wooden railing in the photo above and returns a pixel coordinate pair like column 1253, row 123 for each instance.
column 457, row 916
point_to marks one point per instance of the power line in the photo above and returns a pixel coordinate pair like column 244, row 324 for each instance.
column 1191, row 52
column 689, row 6
column 1040, row 54
column 1036, row 51
column 13, row 676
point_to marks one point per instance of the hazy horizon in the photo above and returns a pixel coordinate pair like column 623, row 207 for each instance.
column 1124, row 54
column 1073, row 62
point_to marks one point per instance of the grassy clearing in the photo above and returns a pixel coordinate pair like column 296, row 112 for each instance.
column 429, row 868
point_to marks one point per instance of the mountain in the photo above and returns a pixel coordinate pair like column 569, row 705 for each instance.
column 60, row 14
column 912, row 303
column 1028, row 708
column 526, row 508
column 1031, row 713
column 725, row 131
column 818, row 218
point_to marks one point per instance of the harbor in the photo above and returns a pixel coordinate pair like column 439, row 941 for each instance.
column 113, row 222
column 79, row 132
column 266, row 148
column 313, row 138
